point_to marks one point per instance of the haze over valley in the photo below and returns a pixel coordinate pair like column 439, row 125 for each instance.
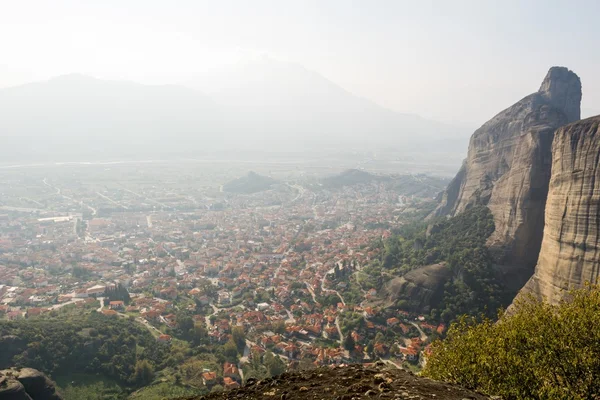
column 299, row 200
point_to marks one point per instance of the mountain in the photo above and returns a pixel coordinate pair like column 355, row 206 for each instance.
column 285, row 100
column 251, row 183
column 570, row 250
column 508, row 170
column 352, row 177
column 272, row 107
column 419, row 185
column 81, row 116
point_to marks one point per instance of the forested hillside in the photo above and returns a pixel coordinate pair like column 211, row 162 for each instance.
column 443, row 268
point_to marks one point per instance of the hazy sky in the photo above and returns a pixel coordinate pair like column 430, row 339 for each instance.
column 454, row 60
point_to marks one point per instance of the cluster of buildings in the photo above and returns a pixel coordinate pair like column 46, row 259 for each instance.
column 258, row 261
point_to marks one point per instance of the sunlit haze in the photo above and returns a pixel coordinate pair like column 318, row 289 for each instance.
column 457, row 62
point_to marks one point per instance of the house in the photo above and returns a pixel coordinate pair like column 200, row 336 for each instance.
column 14, row 315
column 224, row 297
column 392, row 321
column 410, row 354
column 116, row 305
column 164, row 339
column 380, row 349
column 209, row 378
column 229, row 383
column 96, row 290
column 34, row 312
column 231, row 370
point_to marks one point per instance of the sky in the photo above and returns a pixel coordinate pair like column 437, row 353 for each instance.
column 459, row 61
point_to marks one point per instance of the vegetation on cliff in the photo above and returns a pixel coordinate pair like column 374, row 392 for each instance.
column 536, row 351
column 459, row 243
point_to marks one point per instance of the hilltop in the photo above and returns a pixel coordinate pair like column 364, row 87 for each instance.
column 345, row 383
column 250, row 183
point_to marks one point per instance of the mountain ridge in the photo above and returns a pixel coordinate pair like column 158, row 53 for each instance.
column 300, row 109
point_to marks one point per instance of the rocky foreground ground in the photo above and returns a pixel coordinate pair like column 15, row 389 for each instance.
column 347, row 383
column 26, row 384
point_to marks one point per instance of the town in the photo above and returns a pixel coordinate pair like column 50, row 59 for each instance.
column 280, row 267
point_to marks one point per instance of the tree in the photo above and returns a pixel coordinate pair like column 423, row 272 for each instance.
column 185, row 324
column 538, row 351
column 216, row 389
column 230, row 350
column 273, row 364
column 117, row 293
column 349, row 343
column 239, row 338
column 370, row 348
column 144, row 373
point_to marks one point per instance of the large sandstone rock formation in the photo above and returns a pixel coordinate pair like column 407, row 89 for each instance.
column 508, row 169
column 422, row 288
column 26, row 384
column 570, row 252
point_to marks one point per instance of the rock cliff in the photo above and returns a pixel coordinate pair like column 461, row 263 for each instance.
column 508, row 169
column 570, row 250
column 26, row 384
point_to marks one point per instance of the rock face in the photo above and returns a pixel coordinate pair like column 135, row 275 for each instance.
column 422, row 288
column 570, row 252
column 26, row 384
column 508, row 169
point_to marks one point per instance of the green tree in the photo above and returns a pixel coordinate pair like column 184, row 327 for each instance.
column 349, row 343
column 537, row 351
column 144, row 373
column 230, row 350
column 273, row 364
column 239, row 337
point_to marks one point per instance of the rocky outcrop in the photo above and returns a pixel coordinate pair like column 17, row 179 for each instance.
column 347, row 382
column 570, row 253
column 26, row 384
column 421, row 289
column 508, row 170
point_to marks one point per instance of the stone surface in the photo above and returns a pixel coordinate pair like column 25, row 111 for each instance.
column 569, row 255
column 26, row 384
column 423, row 287
column 347, row 383
column 508, row 169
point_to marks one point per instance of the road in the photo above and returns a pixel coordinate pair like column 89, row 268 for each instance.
column 390, row 362
column 101, row 300
column 148, row 199
column 323, row 289
column 140, row 320
column 111, row 200
column 58, row 192
column 337, row 325
column 57, row 306
column 423, row 335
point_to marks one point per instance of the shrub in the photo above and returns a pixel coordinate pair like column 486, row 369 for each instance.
column 536, row 351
